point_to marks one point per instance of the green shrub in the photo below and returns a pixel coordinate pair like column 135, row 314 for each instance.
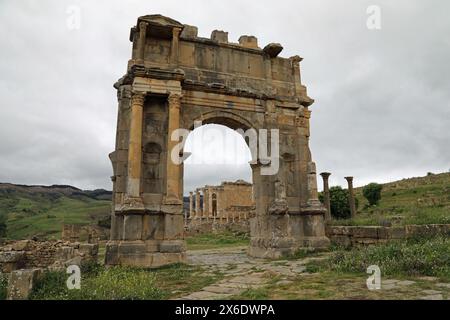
column 3, row 286
column 340, row 208
column 372, row 192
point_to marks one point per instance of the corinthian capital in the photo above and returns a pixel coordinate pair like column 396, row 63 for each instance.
column 174, row 100
column 137, row 98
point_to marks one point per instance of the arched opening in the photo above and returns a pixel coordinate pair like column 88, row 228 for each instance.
column 218, row 172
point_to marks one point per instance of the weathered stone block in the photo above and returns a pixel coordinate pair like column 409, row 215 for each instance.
column 220, row 36
column 21, row 283
column 384, row 232
column 365, row 232
column 12, row 260
column 88, row 249
column 11, row 256
column 65, row 253
column 189, row 31
column 22, row 245
column 173, row 226
column 162, row 259
column 132, row 227
column 398, row 232
column 248, row 41
column 112, row 253
column 172, row 246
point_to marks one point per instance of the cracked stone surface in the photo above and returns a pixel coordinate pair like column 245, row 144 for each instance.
column 242, row 273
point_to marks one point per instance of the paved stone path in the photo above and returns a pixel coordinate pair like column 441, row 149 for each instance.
column 242, row 272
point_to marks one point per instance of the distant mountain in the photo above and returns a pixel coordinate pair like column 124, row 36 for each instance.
column 41, row 210
column 55, row 191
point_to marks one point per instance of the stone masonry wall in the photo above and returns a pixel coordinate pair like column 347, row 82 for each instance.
column 366, row 235
column 25, row 254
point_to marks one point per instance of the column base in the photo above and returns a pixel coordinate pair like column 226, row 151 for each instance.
column 276, row 236
column 145, row 254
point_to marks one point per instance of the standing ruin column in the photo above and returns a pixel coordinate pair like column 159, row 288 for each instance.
column 191, row 205
column 141, row 43
column 326, row 195
column 206, row 202
column 312, row 185
column 198, row 214
column 174, row 46
column 135, row 150
column 173, row 169
column 351, row 197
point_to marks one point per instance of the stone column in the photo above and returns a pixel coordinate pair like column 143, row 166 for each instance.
column 351, row 196
column 326, row 195
column 141, row 44
column 173, row 169
column 312, row 185
column 206, row 202
column 191, row 205
column 135, row 151
column 210, row 201
column 174, row 46
column 197, row 205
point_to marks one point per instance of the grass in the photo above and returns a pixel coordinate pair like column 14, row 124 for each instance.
column 423, row 256
column 3, row 286
column 424, row 200
column 219, row 240
column 124, row 283
column 37, row 215
column 343, row 274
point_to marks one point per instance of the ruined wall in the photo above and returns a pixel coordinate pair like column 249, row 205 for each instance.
column 25, row 254
column 81, row 233
column 366, row 235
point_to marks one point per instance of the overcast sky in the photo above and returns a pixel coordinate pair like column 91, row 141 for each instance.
column 382, row 108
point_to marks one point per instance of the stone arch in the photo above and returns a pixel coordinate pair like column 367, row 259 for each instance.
column 174, row 78
column 229, row 119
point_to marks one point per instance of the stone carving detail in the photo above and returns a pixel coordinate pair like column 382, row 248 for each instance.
column 279, row 205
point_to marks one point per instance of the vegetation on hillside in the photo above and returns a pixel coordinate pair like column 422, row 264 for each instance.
column 424, row 200
column 372, row 192
column 41, row 213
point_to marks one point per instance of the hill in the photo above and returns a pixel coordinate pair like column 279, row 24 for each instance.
column 41, row 210
column 418, row 200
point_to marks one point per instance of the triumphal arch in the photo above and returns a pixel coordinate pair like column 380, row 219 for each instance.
column 175, row 79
